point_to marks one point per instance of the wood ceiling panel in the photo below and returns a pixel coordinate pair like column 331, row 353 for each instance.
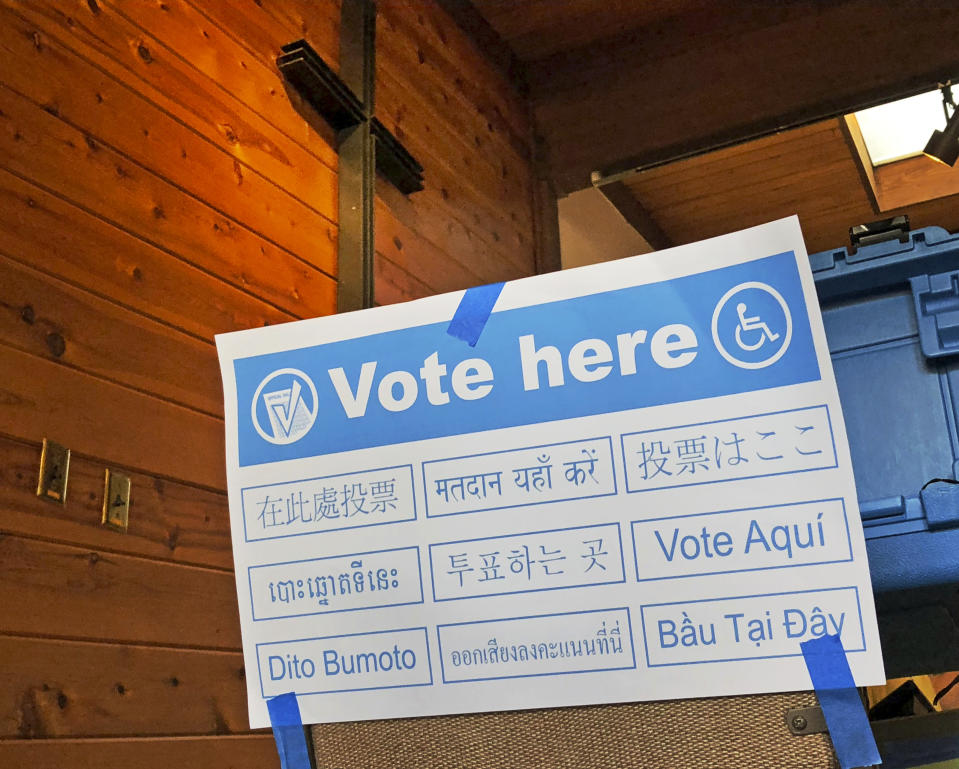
column 725, row 72
column 535, row 29
column 808, row 171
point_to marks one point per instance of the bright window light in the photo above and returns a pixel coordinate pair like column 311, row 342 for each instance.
column 900, row 129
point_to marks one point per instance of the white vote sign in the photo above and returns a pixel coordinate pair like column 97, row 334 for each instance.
column 636, row 485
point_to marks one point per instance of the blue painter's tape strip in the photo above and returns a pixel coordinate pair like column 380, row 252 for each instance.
column 288, row 732
column 848, row 725
column 473, row 312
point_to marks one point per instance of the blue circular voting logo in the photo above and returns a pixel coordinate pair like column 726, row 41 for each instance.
column 284, row 406
column 752, row 327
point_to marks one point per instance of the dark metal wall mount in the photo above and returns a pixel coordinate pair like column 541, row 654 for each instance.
column 336, row 103
column 396, row 165
column 322, row 88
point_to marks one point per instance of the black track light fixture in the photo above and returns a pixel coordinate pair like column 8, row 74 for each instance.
column 943, row 146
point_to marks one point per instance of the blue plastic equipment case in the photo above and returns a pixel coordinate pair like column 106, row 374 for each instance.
column 891, row 313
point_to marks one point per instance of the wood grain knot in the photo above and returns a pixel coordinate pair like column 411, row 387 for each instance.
column 56, row 344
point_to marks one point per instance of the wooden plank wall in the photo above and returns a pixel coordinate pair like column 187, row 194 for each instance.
column 457, row 114
column 158, row 186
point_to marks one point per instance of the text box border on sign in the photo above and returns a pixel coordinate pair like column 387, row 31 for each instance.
column 832, row 437
column 622, row 559
column 419, row 569
column 426, row 641
column 798, row 653
column 323, row 478
column 845, row 518
column 612, row 466
column 629, row 625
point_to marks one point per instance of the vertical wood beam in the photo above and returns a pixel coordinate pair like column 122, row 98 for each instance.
column 548, row 257
column 546, row 244
column 849, row 127
column 632, row 210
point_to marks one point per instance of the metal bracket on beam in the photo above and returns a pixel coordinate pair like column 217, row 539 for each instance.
column 396, row 165
column 322, row 88
column 802, row 721
column 333, row 99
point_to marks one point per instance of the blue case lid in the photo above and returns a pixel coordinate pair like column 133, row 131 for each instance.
column 891, row 314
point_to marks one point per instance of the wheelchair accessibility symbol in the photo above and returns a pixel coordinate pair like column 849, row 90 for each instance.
column 752, row 326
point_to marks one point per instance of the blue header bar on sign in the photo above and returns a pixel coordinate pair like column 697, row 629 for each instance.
column 726, row 331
